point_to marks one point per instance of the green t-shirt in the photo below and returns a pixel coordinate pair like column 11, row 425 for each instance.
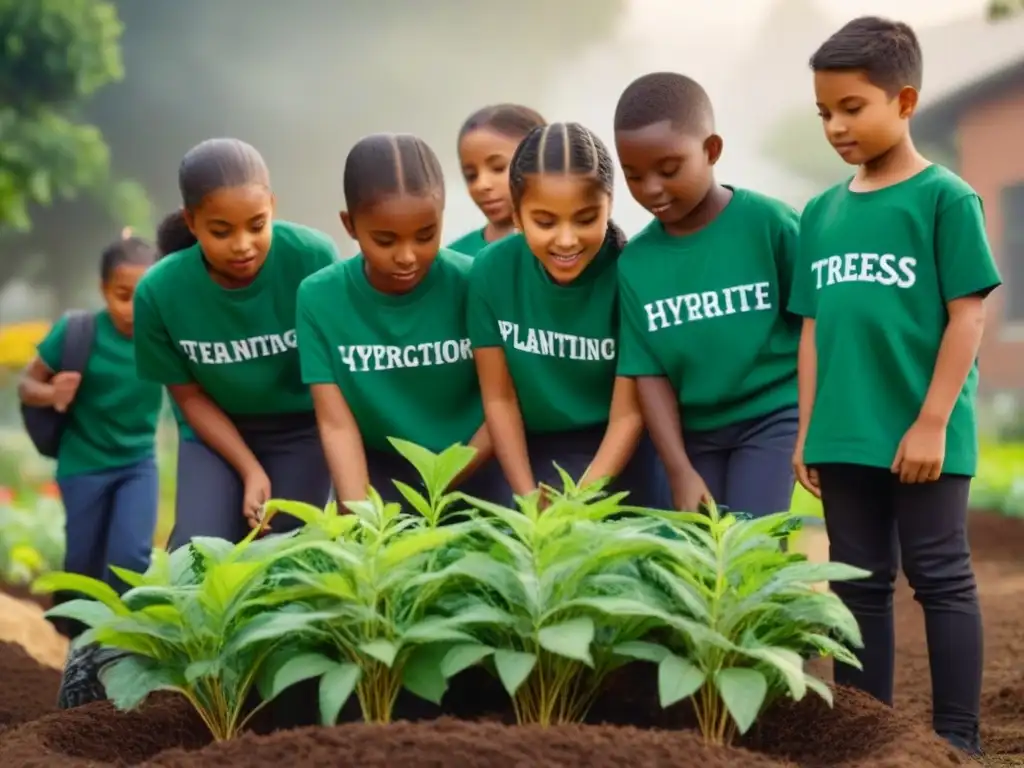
column 112, row 422
column 707, row 311
column 559, row 340
column 470, row 244
column 403, row 362
column 238, row 345
column 876, row 270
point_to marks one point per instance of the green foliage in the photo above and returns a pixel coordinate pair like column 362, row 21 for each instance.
column 998, row 10
column 549, row 597
column 437, row 472
column 200, row 622
column 564, row 582
column 31, row 538
column 53, row 55
column 740, row 616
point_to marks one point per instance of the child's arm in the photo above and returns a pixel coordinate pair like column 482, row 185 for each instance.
column 660, row 408
column 41, row 387
column 42, row 383
column 343, row 443
column 625, row 427
column 807, row 376
column 503, row 418
column 921, row 452
column 967, row 274
column 213, row 427
column 484, row 446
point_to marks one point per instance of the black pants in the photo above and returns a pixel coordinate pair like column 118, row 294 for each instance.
column 873, row 522
column 209, row 492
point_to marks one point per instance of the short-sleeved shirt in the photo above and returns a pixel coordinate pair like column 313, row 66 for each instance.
column 237, row 344
column 559, row 340
column 876, row 271
column 470, row 244
column 112, row 422
column 402, row 362
column 707, row 311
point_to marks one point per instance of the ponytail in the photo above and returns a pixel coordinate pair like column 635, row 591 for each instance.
column 173, row 234
column 615, row 237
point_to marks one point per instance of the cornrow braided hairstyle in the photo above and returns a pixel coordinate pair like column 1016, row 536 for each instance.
column 566, row 149
column 511, row 120
column 385, row 164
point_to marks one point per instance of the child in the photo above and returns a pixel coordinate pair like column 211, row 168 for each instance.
column 893, row 271
column 703, row 291
column 396, row 362
column 543, row 319
column 105, row 465
column 487, row 142
column 215, row 323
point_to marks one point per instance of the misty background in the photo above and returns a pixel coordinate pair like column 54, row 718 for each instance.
column 303, row 80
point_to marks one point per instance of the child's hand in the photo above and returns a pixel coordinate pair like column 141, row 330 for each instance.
column 256, row 493
column 921, row 452
column 689, row 491
column 806, row 476
column 65, row 387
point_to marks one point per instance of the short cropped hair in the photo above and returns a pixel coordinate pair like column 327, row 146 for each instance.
column 662, row 96
column 886, row 51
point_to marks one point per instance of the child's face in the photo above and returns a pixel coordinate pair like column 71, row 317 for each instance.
column 399, row 237
column 565, row 222
column 668, row 171
column 118, row 293
column 485, row 156
column 862, row 122
column 233, row 227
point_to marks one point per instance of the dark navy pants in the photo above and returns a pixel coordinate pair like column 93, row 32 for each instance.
column 487, row 482
column 644, row 476
column 876, row 522
column 111, row 517
column 209, row 493
column 748, row 466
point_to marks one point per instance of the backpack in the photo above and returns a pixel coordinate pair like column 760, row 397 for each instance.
column 44, row 424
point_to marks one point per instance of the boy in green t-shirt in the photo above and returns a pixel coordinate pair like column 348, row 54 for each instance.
column 893, row 271
column 703, row 291
column 215, row 324
column 397, row 361
column 487, row 141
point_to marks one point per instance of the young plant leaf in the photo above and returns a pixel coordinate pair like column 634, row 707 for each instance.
column 287, row 668
column 743, row 692
column 513, row 668
column 677, row 679
column 336, row 687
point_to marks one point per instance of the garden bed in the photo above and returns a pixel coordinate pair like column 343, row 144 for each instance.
column 858, row 733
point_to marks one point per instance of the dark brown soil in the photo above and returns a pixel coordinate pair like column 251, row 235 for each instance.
column 858, row 733
column 28, row 690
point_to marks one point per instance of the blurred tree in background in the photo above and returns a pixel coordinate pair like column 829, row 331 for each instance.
column 54, row 55
column 301, row 80
column 1002, row 9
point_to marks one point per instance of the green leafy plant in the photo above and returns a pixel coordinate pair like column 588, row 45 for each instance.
column 389, row 609
column 740, row 615
column 565, row 584
column 199, row 622
column 31, row 538
column 438, row 471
